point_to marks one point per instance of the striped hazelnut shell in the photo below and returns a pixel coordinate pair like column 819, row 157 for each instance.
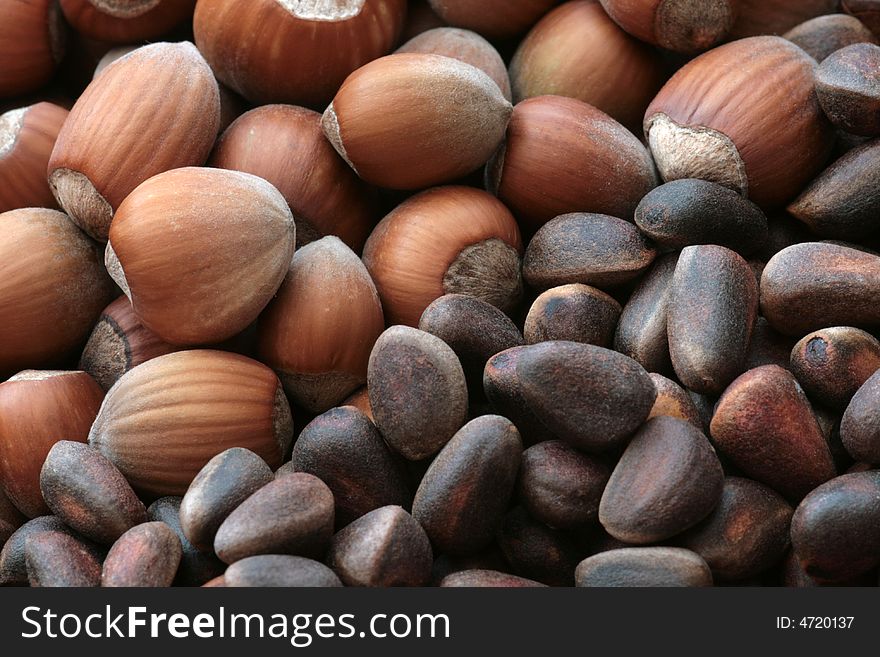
column 112, row 21
column 200, row 252
column 327, row 302
column 443, row 241
column 494, row 19
column 598, row 54
column 32, row 44
column 200, row 403
column 27, row 136
column 286, row 146
column 449, row 118
column 711, row 120
column 53, row 285
column 756, row 17
column 685, row 26
column 157, row 108
column 38, row 409
column 293, row 52
column 563, row 155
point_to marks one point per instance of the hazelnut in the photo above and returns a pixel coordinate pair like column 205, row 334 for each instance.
column 494, row 19
column 448, row 240
column 202, row 402
column 155, row 109
column 848, row 87
column 32, row 44
column 710, row 121
column 319, row 330
column 53, row 284
column 112, row 21
column 465, row 46
column 685, row 26
column 27, row 136
column 598, row 54
column 823, row 35
column 757, row 17
column 37, row 409
column 561, row 156
column 420, row 17
column 118, row 343
column 449, row 118
column 286, row 51
column 200, row 252
column 284, row 144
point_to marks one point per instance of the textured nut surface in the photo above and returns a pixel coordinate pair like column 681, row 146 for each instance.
column 147, row 555
column 279, row 570
column 648, row 566
column 860, row 425
column 58, row 559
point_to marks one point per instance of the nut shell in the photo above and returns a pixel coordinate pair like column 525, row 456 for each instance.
column 644, row 566
column 494, row 19
column 200, row 404
column 32, row 44
column 200, row 252
column 156, row 109
column 147, row 556
column 125, row 22
column 448, row 120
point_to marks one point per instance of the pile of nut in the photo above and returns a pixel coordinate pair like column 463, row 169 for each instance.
column 440, row 292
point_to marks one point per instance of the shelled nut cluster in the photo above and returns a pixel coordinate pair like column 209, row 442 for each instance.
column 440, row 292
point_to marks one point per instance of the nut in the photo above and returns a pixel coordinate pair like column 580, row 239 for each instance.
column 147, row 555
column 494, row 19
column 279, row 570
column 674, row 401
column 202, row 402
column 57, row 559
column 449, row 240
column 644, row 566
column 112, row 140
column 537, row 552
column 37, row 409
column 52, row 281
column 285, row 145
column 328, row 302
column 32, row 44
column 200, row 252
column 574, row 312
column 860, row 425
column 125, row 22
column 304, row 50
column 823, row 35
column 777, row 16
column 589, row 160
column 196, row 568
column 448, row 120
column 848, row 88
column 27, row 136
column 708, row 121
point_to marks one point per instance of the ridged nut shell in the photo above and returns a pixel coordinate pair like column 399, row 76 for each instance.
column 155, row 109
column 32, row 44
column 200, row 252
column 446, row 240
column 293, row 52
column 710, row 121
column 329, row 303
column 112, row 21
column 449, row 118
column 37, row 409
column 561, row 156
column 164, row 420
column 27, row 137
column 52, row 282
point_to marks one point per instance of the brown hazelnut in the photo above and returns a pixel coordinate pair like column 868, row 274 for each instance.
column 494, row 19
column 53, row 284
column 318, row 331
column 27, row 136
column 598, row 54
column 285, row 145
column 200, row 252
column 38, row 409
column 709, row 121
column 563, row 155
column 449, row 118
column 284, row 51
column 155, row 109
column 442, row 241
column 32, row 44
column 125, row 22
column 685, row 26
column 202, row 402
